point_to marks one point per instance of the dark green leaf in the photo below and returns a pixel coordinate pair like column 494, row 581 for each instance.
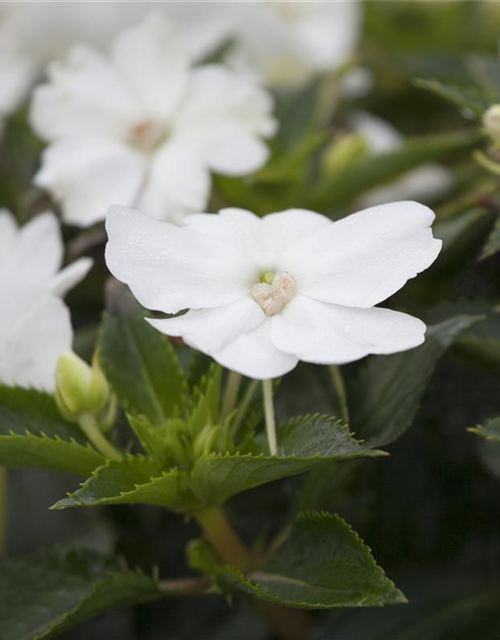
column 492, row 244
column 33, row 434
column 133, row 480
column 142, row 367
column 385, row 398
column 470, row 97
column 304, row 442
column 43, row 596
column 321, row 565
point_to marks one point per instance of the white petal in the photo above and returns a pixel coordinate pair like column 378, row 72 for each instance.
column 169, row 268
column 240, row 229
column 30, row 255
column 224, row 117
column 283, row 230
column 70, row 276
column 87, row 175
column 427, row 182
column 29, row 352
column 152, row 59
column 254, row 355
column 85, row 96
column 177, row 183
column 210, row 330
column 330, row 334
column 364, row 258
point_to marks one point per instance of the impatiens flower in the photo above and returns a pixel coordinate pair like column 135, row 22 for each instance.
column 144, row 127
column 288, row 42
column 264, row 293
column 32, row 34
column 35, row 326
column 430, row 180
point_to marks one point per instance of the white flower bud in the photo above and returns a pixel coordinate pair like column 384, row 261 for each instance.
column 491, row 121
column 81, row 389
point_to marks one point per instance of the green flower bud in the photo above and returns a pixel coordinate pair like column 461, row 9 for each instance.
column 491, row 122
column 81, row 389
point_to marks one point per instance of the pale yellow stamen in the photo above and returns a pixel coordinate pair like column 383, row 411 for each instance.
column 147, row 135
column 273, row 297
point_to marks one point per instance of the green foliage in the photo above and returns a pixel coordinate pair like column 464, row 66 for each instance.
column 490, row 447
column 469, row 97
column 321, row 565
column 47, row 594
column 305, row 442
column 142, row 367
column 387, row 394
column 133, row 480
column 33, row 434
column 371, row 170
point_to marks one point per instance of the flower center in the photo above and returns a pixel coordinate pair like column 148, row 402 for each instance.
column 147, row 135
column 274, row 291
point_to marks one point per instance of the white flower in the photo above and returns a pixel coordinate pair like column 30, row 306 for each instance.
column 264, row 293
column 143, row 127
column 430, row 180
column 34, row 33
column 35, row 326
column 288, row 42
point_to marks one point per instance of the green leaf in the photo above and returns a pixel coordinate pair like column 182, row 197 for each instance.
column 33, row 434
column 142, row 367
column 376, row 169
column 469, row 97
column 490, row 431
column 45, row 595
column 492, row 244
column 385, row 398
column 480, row 345
column 133, row 480
column 206, row 400
column 490, row 447
column 304, row 443
column 321, row 565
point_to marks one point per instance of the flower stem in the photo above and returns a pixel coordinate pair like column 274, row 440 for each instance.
column 267, row 388
column 230, row 394
column 338, row 383
column 223, row 538
column 244, row 404
column 90, row 428
column 3, row 509
column 286, row 624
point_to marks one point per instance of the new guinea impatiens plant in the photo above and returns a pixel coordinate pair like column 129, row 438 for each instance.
column 262, row 293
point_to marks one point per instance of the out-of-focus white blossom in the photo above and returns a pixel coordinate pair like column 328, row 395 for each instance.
column 287, row 42
column 264, row 293
column 144, row 127
column 32, row 34
column 35, row 326
column 431, row 180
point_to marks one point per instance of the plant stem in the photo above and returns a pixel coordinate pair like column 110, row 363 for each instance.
column 223, row 538
column 286, row 624
column 90, row 428
column 338, row 383
column 185, row 586
column 230, row 394
column 3, row 510
column 267, row 388
column 244, row 404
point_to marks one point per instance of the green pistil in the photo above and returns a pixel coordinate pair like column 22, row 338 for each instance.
column 267, row 277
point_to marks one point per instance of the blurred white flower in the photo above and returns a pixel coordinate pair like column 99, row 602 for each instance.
column 143, row 127
column 264, row 293
column 35, row 326
column 287, row 42
column 32, row 34
column 430, row 180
